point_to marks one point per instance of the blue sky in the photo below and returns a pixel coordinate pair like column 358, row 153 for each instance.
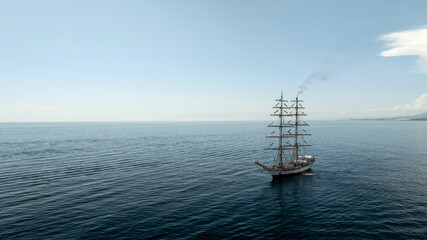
column 209, row 60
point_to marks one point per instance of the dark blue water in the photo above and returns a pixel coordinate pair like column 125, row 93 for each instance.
column 198, row 180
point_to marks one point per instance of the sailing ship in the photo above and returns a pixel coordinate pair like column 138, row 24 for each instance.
column 288, row 132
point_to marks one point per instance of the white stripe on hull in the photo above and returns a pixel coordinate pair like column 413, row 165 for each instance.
column 290, row 172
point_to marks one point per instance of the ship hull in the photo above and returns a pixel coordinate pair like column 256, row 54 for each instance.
column 286, row 173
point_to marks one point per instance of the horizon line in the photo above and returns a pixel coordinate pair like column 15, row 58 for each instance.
column 164, row 121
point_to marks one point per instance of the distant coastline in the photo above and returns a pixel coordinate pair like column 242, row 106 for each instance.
column 391, row 119
column 419, row 117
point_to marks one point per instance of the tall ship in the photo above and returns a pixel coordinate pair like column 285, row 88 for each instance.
column 290, row 135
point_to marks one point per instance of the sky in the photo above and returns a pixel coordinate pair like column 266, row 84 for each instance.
column 66, row 61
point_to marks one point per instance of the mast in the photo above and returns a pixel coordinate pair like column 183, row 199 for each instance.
column 296, row 129
column 281, row 106
column 280, row 128
column 297, row 124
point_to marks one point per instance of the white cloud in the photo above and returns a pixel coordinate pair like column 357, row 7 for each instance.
column 407, row 43
column 418, row 104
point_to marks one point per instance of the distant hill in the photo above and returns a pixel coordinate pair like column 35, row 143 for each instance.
column 418, row 117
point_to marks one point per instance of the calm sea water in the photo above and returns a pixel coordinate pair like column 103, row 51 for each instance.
column 198, row 180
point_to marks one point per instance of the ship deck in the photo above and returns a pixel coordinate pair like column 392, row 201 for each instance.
column 291, row 166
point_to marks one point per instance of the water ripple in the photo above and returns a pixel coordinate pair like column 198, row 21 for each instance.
column 198, row 180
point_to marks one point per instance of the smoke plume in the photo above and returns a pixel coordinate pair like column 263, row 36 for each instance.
column 316, row 76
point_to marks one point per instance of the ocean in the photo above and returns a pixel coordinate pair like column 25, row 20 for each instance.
column 198, row 180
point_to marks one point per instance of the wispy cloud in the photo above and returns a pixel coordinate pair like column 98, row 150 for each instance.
column 407, row 43
column 34, row 107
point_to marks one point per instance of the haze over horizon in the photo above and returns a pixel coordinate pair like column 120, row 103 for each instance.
column 210, row 60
